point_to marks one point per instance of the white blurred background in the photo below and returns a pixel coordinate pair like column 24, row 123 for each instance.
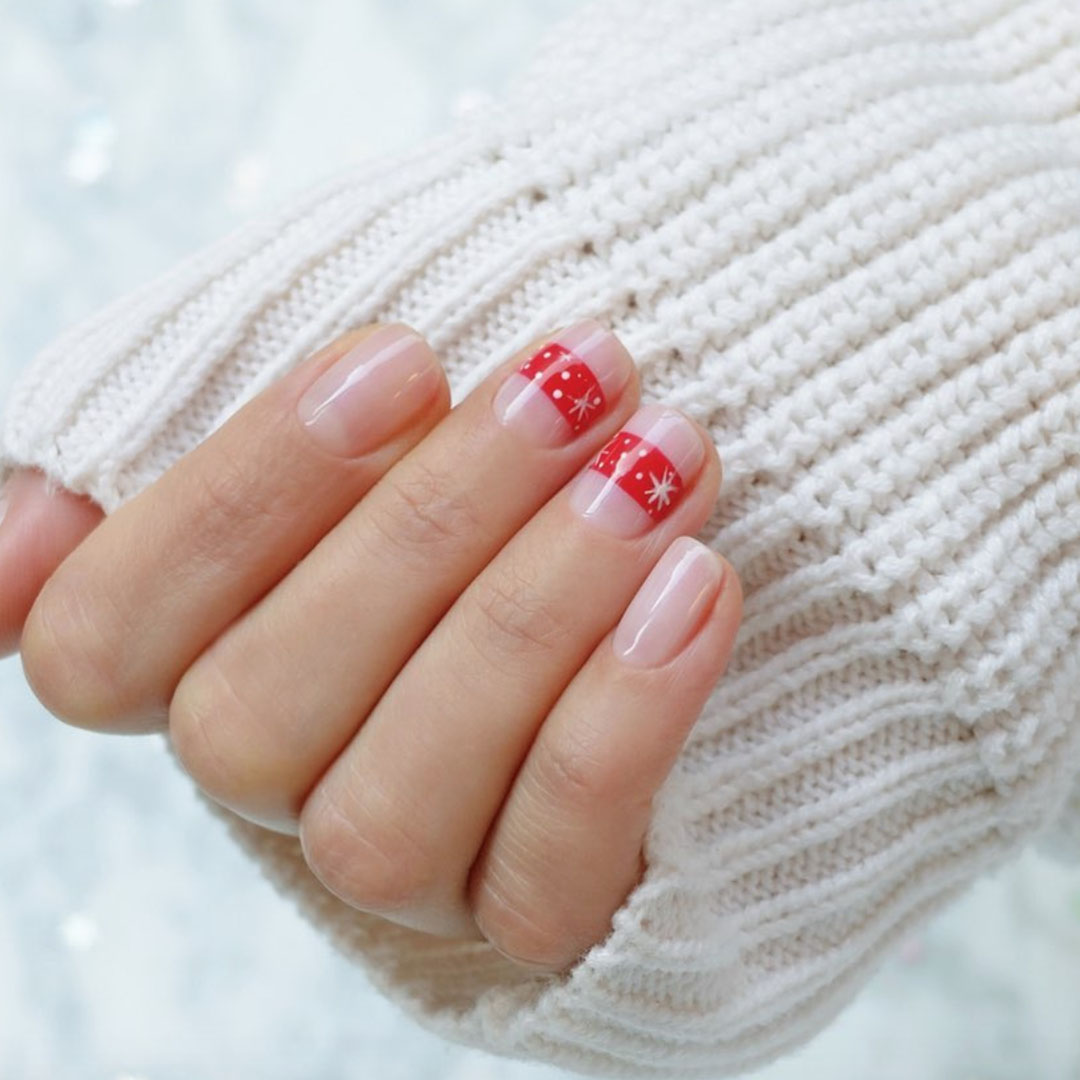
column 136, row 943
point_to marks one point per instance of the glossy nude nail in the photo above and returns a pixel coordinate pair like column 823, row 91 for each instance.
column 566, row 385
column 642, row 473
column 670, row 606
column 371, row 392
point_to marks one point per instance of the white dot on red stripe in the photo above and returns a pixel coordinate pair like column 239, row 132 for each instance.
column 556, row 393
column 566, row 374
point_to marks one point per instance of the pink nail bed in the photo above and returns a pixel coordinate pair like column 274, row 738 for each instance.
column 564, row 387
column 670, row 606
column 642, row 473
column 371, row 393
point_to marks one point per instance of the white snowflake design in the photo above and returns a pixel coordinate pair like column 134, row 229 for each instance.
column 662, row 488
column 580, row 409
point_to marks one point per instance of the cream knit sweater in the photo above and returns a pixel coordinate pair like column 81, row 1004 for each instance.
column 843, row 234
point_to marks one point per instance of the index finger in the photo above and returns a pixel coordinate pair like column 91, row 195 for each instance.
column 168, row 571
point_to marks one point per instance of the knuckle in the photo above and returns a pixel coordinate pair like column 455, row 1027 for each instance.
column 514, row 617
column 519, row 927
column 420, row 510
column 366, row 859
column 204, row 713
column 229, row 501
column 225, row 492
column 72, row 653
column 573, row 770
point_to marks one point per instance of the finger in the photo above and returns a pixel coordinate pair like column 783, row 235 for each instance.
column 111, row 634
column 397, row 820
column 256, row 733
column 566, row 848
column 42, row 525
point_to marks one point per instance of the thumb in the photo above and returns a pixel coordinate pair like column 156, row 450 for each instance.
column 42, row 525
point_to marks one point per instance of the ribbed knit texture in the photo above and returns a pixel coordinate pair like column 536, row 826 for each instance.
column 845, row 236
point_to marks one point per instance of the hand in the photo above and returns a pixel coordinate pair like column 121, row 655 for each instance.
column 387, row 626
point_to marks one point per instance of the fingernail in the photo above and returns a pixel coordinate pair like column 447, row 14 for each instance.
column 642, row 473
column 371, row 392
column 670, row 606
column 566, row 385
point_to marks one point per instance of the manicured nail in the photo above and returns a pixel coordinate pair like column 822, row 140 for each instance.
column 642, row 473
column 566, row 385
column 371, row 392
column 670, row 606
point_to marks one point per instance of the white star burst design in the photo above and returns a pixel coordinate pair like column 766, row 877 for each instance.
column 663, row 486
column 580, row 409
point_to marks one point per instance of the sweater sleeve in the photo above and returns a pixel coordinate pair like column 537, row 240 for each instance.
column 845, row 236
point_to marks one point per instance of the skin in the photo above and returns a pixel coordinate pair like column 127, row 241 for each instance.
column 222, row 604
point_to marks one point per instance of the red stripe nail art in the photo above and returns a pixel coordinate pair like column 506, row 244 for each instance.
column 643, row 471
column 569, row 383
